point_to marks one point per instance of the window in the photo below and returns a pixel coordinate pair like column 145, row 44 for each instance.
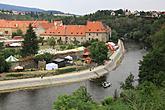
column 97, row 34
column 89, row 34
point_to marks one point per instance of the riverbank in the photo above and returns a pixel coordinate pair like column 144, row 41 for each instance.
column 13, row 85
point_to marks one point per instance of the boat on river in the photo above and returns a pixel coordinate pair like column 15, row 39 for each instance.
column 106, row 84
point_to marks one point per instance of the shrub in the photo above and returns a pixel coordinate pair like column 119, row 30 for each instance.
column 47, row 57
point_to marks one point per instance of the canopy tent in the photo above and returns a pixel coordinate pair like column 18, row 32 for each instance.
column 51, row 66
column 11, row 59
column 69, row 57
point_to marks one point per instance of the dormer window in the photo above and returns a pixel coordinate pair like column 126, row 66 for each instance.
column 71, row 32
column 89, row 29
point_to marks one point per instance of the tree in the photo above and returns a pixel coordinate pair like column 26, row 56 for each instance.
column 1, row 45
column 4, row 66
column 79, row 100
column 46, row 57
column 128, row 82
column 7, row 52
column 52, row 42
column 98, row 52
column 30, row 43
column 114, row 37
column 152, row 67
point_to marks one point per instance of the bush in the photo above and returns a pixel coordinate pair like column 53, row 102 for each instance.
column 14, row 75
column 7, row 52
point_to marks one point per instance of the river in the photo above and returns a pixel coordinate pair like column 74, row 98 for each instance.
column 42, row 99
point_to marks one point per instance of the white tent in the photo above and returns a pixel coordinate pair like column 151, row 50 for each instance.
column 11, row 59
column 51, row 66
column 68, row 58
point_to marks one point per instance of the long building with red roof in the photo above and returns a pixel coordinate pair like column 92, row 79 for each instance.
column 80, row 33
column 56, row 29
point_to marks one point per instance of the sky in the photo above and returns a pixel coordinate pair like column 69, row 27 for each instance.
column 81, row 7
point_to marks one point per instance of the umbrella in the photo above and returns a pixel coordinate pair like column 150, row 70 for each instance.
column 11, row 59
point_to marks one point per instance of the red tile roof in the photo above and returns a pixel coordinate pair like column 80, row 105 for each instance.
column 95, row 26
column 19, row 24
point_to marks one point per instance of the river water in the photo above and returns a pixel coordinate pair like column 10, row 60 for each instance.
column 42, row 99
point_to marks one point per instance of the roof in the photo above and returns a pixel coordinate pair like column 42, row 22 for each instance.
column 95, row 26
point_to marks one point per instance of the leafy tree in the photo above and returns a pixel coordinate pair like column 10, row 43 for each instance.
column 146, row 97
column 46, row 57
column 30, row 43
column 4, row 66
column 79, row 100
column 98, row 52
column 1, row 46
column 152, row 67
column 128, row 82
column 7, row 52
column 52, row 42
column 115, row 36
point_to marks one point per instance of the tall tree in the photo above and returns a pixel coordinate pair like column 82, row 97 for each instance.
column 30, row 43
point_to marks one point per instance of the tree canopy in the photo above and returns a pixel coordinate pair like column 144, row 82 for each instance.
column 152, row 68
column 98, row 52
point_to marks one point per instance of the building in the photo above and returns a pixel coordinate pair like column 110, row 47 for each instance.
column 78, row 33
column 7, row 27
column 62, row 33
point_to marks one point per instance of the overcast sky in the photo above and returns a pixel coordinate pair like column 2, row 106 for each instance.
column 88, row 6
